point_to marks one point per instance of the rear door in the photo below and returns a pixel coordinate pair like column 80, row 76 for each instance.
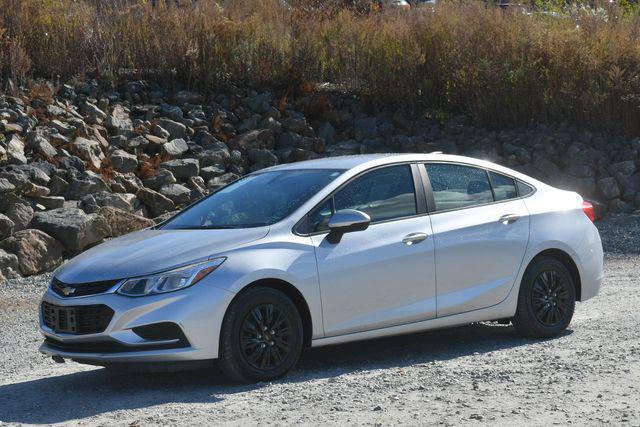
column 481, row 231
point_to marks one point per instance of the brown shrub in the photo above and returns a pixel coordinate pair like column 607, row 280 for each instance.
column 501, row 67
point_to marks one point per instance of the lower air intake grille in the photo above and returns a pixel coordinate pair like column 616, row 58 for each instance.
column 80, row 319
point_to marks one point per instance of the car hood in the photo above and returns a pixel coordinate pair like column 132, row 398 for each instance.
column 150, row 251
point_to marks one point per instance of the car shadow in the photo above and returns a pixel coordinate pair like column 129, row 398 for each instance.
column 62, row 398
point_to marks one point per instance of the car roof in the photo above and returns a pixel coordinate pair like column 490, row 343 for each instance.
column 361, row 162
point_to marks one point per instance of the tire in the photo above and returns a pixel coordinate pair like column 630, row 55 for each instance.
column 261, row 337
column 546, row 300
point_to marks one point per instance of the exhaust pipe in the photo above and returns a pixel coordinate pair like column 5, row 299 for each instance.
column 57, row 359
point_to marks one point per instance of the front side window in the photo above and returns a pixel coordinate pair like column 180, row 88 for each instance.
column 384, row 194
column 255, row 200
column 458, row 186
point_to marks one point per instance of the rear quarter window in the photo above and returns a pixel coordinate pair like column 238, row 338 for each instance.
column 524, row 189
column 504, row 187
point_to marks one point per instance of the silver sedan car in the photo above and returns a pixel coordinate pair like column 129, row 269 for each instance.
column 325, row 252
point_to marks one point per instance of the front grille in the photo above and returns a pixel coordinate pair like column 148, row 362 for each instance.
column 81, row 319
column 66, row 290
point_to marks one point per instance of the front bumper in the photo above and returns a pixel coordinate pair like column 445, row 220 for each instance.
column 197, row 311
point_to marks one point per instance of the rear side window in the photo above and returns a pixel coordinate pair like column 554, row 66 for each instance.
column 504, row 188
column 458, row 186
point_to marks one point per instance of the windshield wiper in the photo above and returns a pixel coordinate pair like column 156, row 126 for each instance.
column 217, row 227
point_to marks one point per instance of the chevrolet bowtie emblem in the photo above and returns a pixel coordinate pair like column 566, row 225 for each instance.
column 68, row 291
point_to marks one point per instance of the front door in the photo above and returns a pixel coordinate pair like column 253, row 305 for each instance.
column 382, row 276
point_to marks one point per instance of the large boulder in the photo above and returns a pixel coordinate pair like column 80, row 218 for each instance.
column 15, row 151
column 627, row 167
column 6, row 186
column 119, row 120
column 17, row 210
column 214, row 156
column 49, row 202
column 57, row 186
column 6, row 226
column 260, row 159
column 155, row 202
column 123, row 201
column 92, row 112
column 88, row 183
column 36, row 251
column 253, row 139
column 161, row 177
column 88, row 150
column 608, row 188
column 212, row 171
column 175, row 148
column 182, row 168
column 74, row 228
column 123, row 161
column 34, row 190
column 121, row 222
column 9, row 267
column 179, row 194
column 176, row 130
column 40, row 145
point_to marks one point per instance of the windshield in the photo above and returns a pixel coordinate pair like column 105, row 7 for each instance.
column 254, row 201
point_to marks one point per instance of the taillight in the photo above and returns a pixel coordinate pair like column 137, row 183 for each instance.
column 588, row 210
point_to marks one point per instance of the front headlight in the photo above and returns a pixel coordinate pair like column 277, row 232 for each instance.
column 169, row 281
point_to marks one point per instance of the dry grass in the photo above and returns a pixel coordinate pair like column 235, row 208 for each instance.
column 461, row 57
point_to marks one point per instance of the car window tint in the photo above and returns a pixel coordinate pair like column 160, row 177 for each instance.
column 318, row 219
column 384, row 193
column 504, row 188
column 524, row 189
column 458, row 186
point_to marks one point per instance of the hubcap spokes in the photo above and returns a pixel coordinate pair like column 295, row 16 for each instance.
column 550, row 298
column 265, row 336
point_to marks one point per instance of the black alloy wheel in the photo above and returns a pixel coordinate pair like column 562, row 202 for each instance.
column 261, row 337
column 265, row 336
column 546, row 299
column 550, row 298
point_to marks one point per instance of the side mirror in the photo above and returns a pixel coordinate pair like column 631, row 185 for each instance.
column 346, row 221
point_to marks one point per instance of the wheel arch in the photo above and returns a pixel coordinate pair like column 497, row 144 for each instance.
column 293, row 294
column 567, row 261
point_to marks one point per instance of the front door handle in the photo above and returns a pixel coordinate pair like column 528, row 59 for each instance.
column 508, row 219
column 412, row 238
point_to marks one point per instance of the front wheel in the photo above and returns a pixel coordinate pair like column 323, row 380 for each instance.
column 546, row 300
column 261, row 337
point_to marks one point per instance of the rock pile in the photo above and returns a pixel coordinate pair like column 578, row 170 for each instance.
column 79, row 164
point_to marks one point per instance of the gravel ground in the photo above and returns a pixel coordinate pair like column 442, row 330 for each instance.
column 481, row 373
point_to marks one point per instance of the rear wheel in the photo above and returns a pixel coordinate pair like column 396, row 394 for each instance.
column 261, row 337
column 546, row 300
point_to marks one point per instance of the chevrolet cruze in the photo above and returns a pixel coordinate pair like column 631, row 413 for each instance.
column 324, row 252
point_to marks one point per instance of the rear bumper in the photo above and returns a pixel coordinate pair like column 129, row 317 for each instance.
column 197, row 312
column 590, row 260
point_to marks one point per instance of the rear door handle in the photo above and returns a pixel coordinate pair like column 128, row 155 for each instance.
column 508, row 219
column 412, row 238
